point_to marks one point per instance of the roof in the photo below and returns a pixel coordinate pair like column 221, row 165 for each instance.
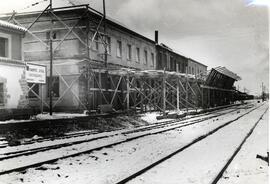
column 166, row 47
column 163, row 46
column 83, row 7
column 13, row 62
column 221, row 77
column 196, row 62
column 227, row 72
column 11, row 26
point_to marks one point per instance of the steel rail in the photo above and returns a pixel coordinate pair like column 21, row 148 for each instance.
column 220, row 174
column 136, row 127
column 141, row 171
column 140, row 129
column 109, row 145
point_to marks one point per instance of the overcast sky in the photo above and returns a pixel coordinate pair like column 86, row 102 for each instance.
column 230, row 33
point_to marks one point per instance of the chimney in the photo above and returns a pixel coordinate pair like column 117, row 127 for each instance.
column 156, row 36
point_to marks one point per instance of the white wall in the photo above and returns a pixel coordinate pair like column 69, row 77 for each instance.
column 12, row 74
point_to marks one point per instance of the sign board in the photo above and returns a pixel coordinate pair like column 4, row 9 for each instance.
column 35, row 73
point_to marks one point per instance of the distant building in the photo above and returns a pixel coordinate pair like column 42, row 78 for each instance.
column 169, row 60
column 196, row 68
column 13, row 86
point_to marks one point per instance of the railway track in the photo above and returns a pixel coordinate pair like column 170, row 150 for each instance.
column 200, row 138
column 13, row 154
column 220, row 174
column 33, row 151
column 4, row 143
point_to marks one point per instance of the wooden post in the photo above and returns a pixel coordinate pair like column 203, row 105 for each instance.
column 177, row 96
column 186, row 90
column 51, row 65
column 87, row 67
column 141, row 96
column 202, row 98
column 41, row 104
column 164, row 93
column 100, row 84
column 106, row 37
column 209, row 100
column 155, row 97
column 127, row 92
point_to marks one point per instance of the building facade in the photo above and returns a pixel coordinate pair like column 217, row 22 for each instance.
column 13, row 86
column 196, row 68
column 85, row 46
column 169, row 60
column 77, row 49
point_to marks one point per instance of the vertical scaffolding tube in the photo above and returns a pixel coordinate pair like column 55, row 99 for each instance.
column 177, row 95
column 105, row 33
column 186, row 90
column 127, row 92
column 51, row 63
column 164, row 93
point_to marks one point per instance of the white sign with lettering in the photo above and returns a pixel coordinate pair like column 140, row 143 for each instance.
column 35, row 73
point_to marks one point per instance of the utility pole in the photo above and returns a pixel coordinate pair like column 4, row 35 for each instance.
column 105, row 33
column 51, row 62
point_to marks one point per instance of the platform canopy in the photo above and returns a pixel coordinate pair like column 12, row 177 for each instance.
column 228, row 73
column 221, row 77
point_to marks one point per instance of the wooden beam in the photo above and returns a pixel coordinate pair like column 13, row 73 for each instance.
column 164, row 93
column 117, row 86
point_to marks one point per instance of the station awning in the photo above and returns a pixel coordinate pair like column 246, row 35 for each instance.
column 222, row 78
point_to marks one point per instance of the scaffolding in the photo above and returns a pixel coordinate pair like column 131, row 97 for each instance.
column 113, row 88
column 148, row 90
column 96, row 26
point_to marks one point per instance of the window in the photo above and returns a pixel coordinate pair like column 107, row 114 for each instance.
column 96, row 43
column 33, row 90
column 172, row 64
column 119, row 49
column 54, row 35
column 1, row 93
column 3, row 47
column 152, row 59
column 145, row 57
column 189, row 70
column 137, row 54
column 192, row 70
column 179, row 67
column 55, row 86
column 109, row 45
column 128, row 51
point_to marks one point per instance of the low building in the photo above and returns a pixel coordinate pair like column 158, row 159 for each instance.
column 169, row 60
column 13, row 86
column 196, row 68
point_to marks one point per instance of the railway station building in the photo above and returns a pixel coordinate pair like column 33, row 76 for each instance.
column 13, row 86
column 98, row 61
column 79, row 38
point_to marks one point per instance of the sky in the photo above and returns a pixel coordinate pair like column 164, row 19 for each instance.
column 230, row 33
